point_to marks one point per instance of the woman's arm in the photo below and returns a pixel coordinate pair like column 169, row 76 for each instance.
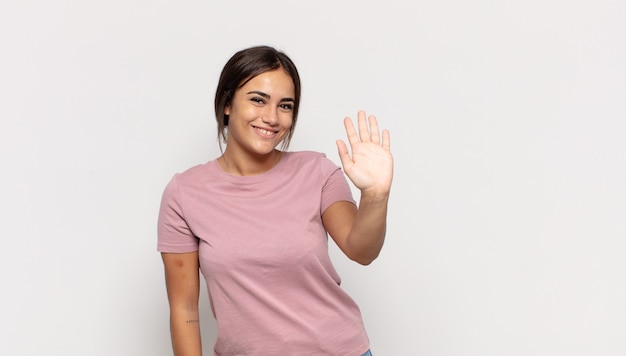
column 360, row 232
column 182, row 279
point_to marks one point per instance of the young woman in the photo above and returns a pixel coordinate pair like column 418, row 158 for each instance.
column 255, row 222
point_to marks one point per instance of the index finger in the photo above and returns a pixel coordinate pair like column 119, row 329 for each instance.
column 350, row 131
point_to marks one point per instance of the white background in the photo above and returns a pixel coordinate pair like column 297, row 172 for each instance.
column 507, row 222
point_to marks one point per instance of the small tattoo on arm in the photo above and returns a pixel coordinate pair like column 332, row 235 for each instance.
column 192, row 321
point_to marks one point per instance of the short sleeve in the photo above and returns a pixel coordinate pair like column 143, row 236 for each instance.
column 174, row 234
column 336, row 187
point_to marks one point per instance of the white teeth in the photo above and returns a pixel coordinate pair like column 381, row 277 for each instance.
column 265, row 132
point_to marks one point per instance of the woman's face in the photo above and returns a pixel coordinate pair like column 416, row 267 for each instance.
column 260, row 114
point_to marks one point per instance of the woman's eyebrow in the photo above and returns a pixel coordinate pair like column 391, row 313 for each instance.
column 267, row 96
column 260, row 93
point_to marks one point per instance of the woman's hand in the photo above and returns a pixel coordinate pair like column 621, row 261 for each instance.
column 370, row 167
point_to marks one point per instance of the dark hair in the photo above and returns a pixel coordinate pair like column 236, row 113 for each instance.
column 243, row 66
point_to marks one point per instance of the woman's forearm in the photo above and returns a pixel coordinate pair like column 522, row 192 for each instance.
column 185, row 331
column 367, row 234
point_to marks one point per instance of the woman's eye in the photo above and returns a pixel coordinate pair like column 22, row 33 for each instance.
column 286, row 106
column 257, row 100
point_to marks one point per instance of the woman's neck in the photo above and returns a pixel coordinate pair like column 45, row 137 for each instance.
column 248, row 165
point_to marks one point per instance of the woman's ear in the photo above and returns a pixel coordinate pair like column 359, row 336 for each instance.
column 227, row 110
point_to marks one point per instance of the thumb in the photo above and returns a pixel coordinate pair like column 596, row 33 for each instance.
column 344, row 154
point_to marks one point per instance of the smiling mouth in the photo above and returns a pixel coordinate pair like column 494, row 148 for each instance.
column 264, row 132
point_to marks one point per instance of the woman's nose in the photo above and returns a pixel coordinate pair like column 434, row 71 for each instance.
column 270, row 116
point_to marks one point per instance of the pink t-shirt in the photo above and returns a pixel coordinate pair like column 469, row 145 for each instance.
column 264, row 254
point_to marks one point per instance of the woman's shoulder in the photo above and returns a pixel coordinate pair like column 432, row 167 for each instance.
column 306, row 156
column 195, row 173
column 301, row 159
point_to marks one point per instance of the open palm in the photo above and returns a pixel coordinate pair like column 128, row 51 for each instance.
column 369, row 165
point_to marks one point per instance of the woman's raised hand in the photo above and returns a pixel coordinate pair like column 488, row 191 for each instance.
column 370, row 165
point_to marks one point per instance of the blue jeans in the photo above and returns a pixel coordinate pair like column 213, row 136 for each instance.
column 368, row 353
